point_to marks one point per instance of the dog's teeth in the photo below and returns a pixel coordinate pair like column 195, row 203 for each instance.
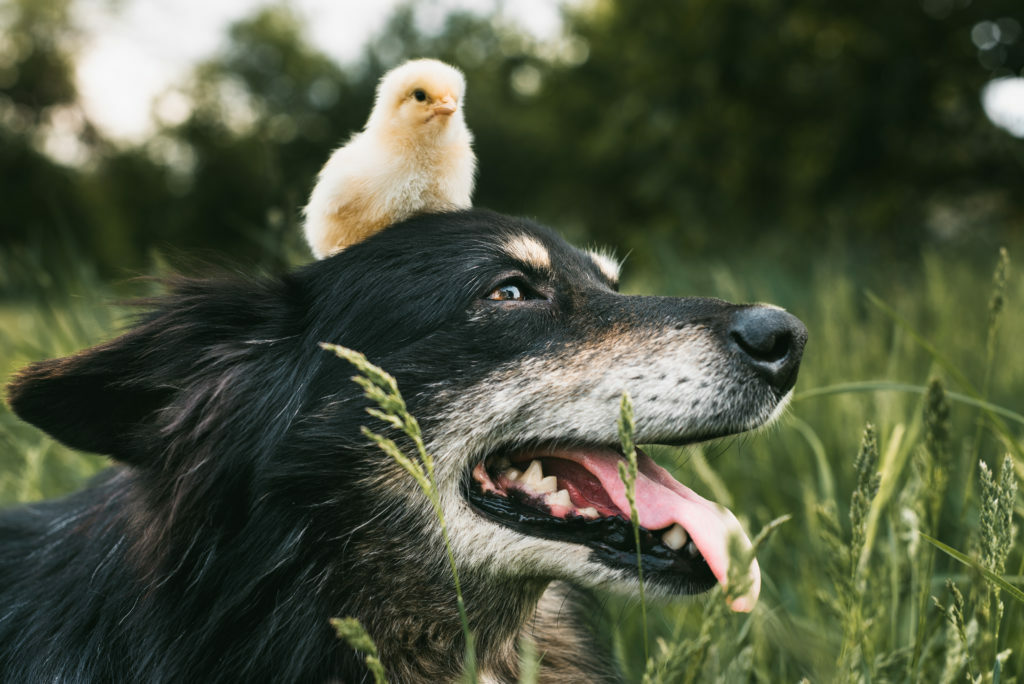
column 548, row 484
column 588, row 512
column 675, row 538
column 533, row 475
column 560, row 498
column 691, row 549
column 512, row 474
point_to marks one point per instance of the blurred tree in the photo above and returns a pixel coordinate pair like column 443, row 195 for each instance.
column 712, row 121
column 265, row 116
column 37, row 59
column 659, row 127
column 701, row 126
column 40, row 196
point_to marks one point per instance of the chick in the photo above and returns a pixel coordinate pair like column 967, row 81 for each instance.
column 413, row 156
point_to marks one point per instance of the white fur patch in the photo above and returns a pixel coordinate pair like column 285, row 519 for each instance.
column 606, row 261
column 529, row 251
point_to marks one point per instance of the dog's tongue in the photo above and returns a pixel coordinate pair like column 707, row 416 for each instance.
column 662, row 501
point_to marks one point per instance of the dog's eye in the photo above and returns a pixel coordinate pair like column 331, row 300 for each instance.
column 419, row 94
column 507, row 293
column 514, row 288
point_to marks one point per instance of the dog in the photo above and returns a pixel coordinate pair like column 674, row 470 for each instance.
column 245, row 507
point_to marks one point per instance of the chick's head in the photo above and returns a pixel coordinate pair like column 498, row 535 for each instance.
column 419, row 93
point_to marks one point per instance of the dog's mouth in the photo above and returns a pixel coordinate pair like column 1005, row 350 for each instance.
column 575, row 494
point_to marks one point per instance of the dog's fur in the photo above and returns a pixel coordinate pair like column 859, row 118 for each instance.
column 246, row 508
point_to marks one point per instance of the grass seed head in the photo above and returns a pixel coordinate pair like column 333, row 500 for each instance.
column 352, row 632
column 936, row 421
column 868, row 481
column 996, row 518
column 999, row 278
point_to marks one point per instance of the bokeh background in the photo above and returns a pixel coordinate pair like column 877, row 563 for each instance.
column 683, row 128
column 860, row 163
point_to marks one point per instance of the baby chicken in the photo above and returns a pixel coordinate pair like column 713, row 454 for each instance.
column 413, row 156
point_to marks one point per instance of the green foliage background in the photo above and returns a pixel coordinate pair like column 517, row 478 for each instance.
column 832, row 158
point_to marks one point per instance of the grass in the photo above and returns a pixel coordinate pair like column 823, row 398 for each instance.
column 900, row 561
column 628, row 473
column 349, row 629
column 381, row 388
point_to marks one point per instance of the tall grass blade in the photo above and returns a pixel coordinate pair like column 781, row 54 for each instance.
column 997, row 299
column 628, row 475
column 887, row 386
column 992, row 577
column 946, row 364
column 380, row 387
column 766, row 531
column 996, row 304
column 826, row 483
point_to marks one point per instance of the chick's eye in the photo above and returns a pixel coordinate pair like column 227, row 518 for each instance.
column 419, row 94
column 507, row 293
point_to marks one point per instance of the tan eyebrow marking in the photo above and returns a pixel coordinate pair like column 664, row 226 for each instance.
column 528, row 250
column 607, row 263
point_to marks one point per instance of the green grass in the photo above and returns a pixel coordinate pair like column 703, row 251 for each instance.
column 853, row 588
column 380, row 387
column 628, row 475
column 828, row 611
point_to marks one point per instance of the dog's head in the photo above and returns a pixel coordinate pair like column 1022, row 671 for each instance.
column 513, row 350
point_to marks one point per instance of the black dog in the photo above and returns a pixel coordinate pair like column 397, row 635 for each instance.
column 247, row 509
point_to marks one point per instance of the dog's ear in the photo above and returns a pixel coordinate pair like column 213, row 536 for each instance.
column 164, row 381
column 91, row 401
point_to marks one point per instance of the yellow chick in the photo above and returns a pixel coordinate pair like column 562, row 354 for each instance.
column 413, row 156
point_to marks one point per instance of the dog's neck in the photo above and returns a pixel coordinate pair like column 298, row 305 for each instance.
column 418, row 630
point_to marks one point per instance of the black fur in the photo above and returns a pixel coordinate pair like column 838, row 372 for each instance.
column 245, row 508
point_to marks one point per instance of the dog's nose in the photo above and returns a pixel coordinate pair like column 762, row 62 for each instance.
column 772, row 342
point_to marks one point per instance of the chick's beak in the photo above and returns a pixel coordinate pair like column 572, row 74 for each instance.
column 446, row 105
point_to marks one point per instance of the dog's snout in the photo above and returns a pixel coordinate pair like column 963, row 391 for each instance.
column 772, row 341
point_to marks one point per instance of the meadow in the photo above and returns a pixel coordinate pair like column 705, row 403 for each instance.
column 925, row 354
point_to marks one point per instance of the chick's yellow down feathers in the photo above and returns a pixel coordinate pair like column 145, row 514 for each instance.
column 413, row 156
